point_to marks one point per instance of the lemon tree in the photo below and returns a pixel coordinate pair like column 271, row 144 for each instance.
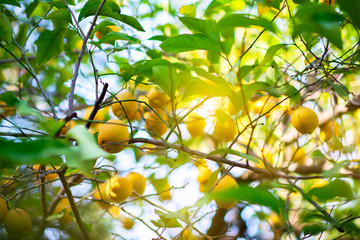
column 179, row 119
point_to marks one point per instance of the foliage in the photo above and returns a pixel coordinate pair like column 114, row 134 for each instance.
column 231, row 71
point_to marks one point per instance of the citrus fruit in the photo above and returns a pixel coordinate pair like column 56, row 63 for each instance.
column 204, row 174
column 138, row 182
column 154, row 124
column 67, row 126
column 195, row 124
column 299, row 156
column 3, row 209
column 225, row 131
column 48, row 176
column 64, row 206
column 127, row 222
column 328, row 129
column 100, row 116
column 304, row 120
column 111, row 28
column 122, row 108
column 113, row 135
column 264, row 104
column 157, row 99
column 18, row 223
column 101, row 194
column 225, row 184
column 118, row 189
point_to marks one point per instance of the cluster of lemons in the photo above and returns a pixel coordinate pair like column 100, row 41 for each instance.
column 17, row 222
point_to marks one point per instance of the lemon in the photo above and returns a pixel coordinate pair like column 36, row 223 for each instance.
column 127, row 222
column 157, row 99
column 304, row 120
column 113, row 136
column 18, row 223
column 275, row 221
column 99, row 116
column 64, row 206
column 154, row 125
column 126, row 108
column 118, row 189
column 165, row 192
column 204, row 174
column 195, row 124
column 48, row 176
column 328, row 129
column 3, row 209
column 225, row 184
column 67, row 126
column 138, row 182
column 299, row 156
column 264, row 104
column 225, row 131
column 111, row 28
column 102, row 195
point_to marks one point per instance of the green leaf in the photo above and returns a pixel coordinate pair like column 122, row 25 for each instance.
column 313, row 229
column 62, row 13
column 10, row 2
column 167, row 78
column 333, row 172
column 337, row 188
column 41, row 151
column 110, row 9
column 87, row 150
column 352, row 7
column 317, row 154
column 49, row 45
column 6, row 29
column 189, row 42
column 206, row 27
column 243, row 20
column 269, row 56
column 202, row 88
column 251, row 195
column 158, row 38
column 340, row 89
column 113, row 36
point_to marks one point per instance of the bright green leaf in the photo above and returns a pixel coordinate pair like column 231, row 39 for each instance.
column 206, row 27
column 62, row 13
column 10, row 2
column 352, row 7
column 337, row 188
column 49, row 45
column 6, row 29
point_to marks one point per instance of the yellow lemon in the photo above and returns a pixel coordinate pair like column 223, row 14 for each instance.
column 64, row 206
column 118, row 189
column 100, row 115
column 225, row 184
column 299, row 156
column 154, row 124
column 165, row 192
column 328, row 129
column 67, row 126
column 157, row 99
column 195, row 124
column 127, row 222
column 225, row 131
column 122, row 108
column 264, row 104
column 204, row 174
column 18, row 223
column 3, row 209
column 102, row 195
column 113, row 135
column 138, row 182
column 48, row 176
column 304, row 120
column 275, row 221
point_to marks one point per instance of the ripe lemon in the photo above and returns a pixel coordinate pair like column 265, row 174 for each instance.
column 67, row 126
column 49, row 176
column 328, row 129
column 108, row 29
column 225, row 131
column 118, row 189
column 157, row 99
column 154, row 125
column 127, row 222
column 304, row 120
column 275, row 221
column 130, row 107
column 195, row 124
column 64, row 205
column 113, row 135
column 264, row 104
column 138, row 182
column 5, row 110
column 299, row 156
column 204, row 174
column 225, row 184
column 100, row 115
column 3, row 209
column 18, row 223
column 102, row 195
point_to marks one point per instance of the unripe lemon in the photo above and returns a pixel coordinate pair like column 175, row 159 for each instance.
column 328, row 129
column 138, row 182
column 225, row 131
column 204, row 174
column 128, row 223
column 154, row 124
column 304, row 120
column 157, row 99
column 113, row 135
column 18, row 223
column 225, row 184
column 118, row 189
column 3, row 209
column 64, row 205
column 195, row 124
column 118, row 106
